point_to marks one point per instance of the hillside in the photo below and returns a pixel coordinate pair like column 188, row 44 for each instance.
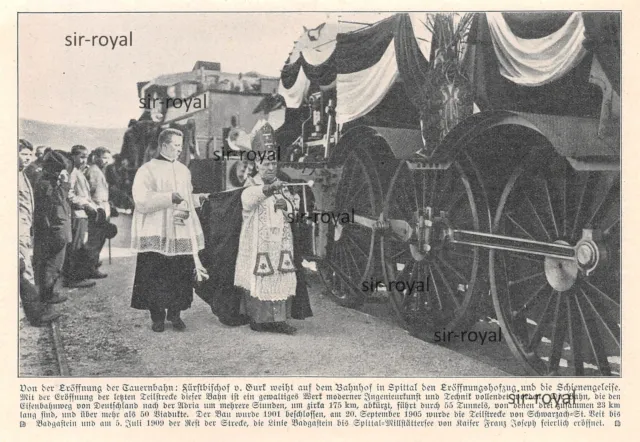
column 62, row 136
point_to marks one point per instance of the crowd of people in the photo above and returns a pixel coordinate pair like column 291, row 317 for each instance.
column 65, row 211
column 64, row 222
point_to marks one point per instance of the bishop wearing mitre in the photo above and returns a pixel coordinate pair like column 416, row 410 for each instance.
column 265, row 271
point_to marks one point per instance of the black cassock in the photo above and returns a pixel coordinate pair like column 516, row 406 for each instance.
column 221, row 220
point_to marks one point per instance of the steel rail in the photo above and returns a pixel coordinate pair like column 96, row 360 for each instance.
column 58, row 348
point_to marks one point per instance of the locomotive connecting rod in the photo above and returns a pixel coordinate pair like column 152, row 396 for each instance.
column 511, row 244
column 428, row 233
column 586, row 252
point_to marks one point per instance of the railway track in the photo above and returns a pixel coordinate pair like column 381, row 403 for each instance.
column 58, row 349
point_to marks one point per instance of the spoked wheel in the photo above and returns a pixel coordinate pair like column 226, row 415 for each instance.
column 437, row 288
column 350, row 249
column 559, row 316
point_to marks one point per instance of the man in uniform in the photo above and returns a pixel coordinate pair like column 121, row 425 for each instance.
column 52, row 223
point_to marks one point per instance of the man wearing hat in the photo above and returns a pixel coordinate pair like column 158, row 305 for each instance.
column 265, row 270
column 52, row 223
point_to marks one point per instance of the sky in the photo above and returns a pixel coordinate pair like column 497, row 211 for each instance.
column 96, row 86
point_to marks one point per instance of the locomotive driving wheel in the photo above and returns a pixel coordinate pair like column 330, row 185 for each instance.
column 560, row 316
column 350, row 249
column 432, row 200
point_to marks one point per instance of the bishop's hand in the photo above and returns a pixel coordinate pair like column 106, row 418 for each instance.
column 270, row 189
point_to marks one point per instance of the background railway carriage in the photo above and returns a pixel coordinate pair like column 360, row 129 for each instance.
column 205, row 104
column 479, row 153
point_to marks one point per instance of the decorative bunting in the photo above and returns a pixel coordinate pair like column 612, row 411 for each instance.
column 537, row 61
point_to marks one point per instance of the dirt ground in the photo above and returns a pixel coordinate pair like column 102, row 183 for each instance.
column 104, row 336
column 36, row 354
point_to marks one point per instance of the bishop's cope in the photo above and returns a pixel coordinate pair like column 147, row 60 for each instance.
column 265, row 271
